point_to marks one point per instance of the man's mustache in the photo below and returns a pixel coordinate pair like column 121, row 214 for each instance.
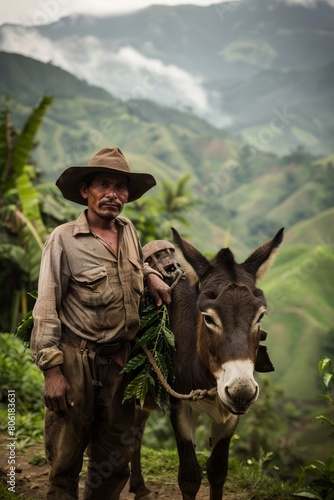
column 111, row 204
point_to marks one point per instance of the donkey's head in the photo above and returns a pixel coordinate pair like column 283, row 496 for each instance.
column 230, row 309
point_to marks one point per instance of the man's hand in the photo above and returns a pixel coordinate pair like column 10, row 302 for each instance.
column 57, row 393
column 159, row 290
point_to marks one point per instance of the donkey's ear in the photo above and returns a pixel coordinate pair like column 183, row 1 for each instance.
column 198, row 262
column 259, row 261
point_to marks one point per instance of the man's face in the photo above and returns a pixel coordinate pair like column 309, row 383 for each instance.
column 106, row 195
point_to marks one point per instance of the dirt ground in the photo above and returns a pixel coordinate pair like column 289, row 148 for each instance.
column 31, row 479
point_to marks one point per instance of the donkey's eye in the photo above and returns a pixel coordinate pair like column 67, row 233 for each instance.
column 260, row 318
column 208, row 320
column 212, row 320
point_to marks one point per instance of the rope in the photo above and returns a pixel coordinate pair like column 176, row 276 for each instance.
column 178, row 275
column 193, row 395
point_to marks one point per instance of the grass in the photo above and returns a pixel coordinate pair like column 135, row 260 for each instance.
column 5, row 494
column 256, row 479
column 29, row 427
column 247, row 479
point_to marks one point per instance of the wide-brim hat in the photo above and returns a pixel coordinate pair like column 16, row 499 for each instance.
column 109, row 160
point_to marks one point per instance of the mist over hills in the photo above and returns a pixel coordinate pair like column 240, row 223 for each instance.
column 232, row 63
column 228, row 173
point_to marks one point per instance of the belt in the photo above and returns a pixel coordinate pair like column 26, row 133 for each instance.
column 108, row 348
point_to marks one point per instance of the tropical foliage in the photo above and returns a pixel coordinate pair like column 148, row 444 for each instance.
column 157, row 337
column 19, row 373
column 29, row 210
column 22, row 229
column 154, row 216
column 19, row 196
column 321, row 487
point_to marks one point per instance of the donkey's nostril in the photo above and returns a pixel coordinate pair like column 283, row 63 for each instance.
column 256, row 393
column 247, row 395
column 227, row 393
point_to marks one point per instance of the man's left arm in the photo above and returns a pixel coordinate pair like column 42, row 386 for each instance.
column 159, row 290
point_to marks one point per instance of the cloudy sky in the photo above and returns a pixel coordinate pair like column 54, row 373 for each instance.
column 46, row 11
column 34, row 12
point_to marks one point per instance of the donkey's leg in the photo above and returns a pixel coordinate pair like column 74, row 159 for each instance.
column 217, row 464
column 184, row 420
column 137, row 484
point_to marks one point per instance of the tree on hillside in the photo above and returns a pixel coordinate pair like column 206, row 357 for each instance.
column 153, row 217
column 24, row 211
column 244, row 171
column 22, row 228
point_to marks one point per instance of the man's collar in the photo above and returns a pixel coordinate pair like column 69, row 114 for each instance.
column 81, row 224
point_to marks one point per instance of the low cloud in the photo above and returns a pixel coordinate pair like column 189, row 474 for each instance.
column 126, row 73
column 166, row 84
column 307, row 3
column 153, row 73
column 28, row 42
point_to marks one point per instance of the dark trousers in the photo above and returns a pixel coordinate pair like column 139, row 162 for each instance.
column 98, row 423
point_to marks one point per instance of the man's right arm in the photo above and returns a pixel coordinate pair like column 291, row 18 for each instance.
column 52, row 285
column 46, row 334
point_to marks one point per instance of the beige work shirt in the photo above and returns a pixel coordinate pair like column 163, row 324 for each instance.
column 85, row 286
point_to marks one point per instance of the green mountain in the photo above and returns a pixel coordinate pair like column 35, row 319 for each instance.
column 279, row 108
column 29, row 79
column 300, row 305
column 226, row 38
column 264, row 67
column 244, row 194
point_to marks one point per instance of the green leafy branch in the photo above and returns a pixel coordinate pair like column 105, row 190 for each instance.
column 24, row 327
column 326, row 369
column 155, row 334
column 322, row 488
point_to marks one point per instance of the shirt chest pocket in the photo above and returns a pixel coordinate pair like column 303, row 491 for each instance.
column 137, row 275
column 94, row 290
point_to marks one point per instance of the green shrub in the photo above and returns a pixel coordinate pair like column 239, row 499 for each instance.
column 319, row 475
column 19, row 373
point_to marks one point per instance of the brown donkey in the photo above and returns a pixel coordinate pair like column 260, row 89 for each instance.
column 216, row 323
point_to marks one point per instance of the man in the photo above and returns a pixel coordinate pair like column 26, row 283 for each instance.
column 85, row 317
